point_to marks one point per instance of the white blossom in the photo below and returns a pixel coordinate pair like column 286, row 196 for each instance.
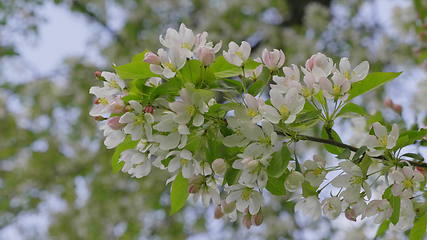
column 332, row 207
column 237, row 55
column 309, row 206
column 315, row 171
column 285, row 106
column 294, row 181
column 170, row 62
column 138, row 123
column 379, row 208
column 136, row 164
column 273, row 60
column 245, row 198
column 353, row 75
column 382, row 139
column 405, row 181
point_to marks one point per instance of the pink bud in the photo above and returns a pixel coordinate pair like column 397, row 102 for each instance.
column 247, row 221
column 273, row 60
column 257, row 219
column 350, row 214
column 114, row 123
column 388, row 103
column 97, row 74
column 152, row 58
column 97, row 101
column 397, row 108
column 99, row 118
column 218, row 212
column 206, row 55
column 148, row 109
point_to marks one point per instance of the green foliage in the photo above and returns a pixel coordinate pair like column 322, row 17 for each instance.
column 351, row 109
column 308, row 190
column 394, row 203
column 223, row 69
column 418, row 231
column 372, row 81
column 136, row 69
column 179, row 193
column 331, row 134
column 276, row 185
column 409, row 137
column 382, row 229
column 279, row 162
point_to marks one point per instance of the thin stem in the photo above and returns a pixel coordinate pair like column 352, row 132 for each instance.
column 349, row 147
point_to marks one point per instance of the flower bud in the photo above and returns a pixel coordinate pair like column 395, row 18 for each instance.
column 273, row 60
column 247, row 221
column 149, row 109
column 97, row 74
column 257, row 219
column 397, row 108
column 350, row 214
column 388, row 103
column 219, row 166
column 228, row 207
column 152, row 58
column 114, row 123
column 218, row 212
column 206, row 55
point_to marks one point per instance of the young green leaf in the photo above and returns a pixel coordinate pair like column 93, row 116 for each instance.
column 382, row 228
column 409, row 137
column 395, row 205
column 223, row 69
column 179, row 193
column 352, row 108
column 192, row 71
column 372, row 81
column 333, row 136
column 419, row 229
column 308, row 190
column 279, row 162
column 135, row 70
column 276, row 185
column 256, row 87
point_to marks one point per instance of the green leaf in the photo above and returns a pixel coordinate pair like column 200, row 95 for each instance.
column 139, row 57
column 234, row 84
column 382, row 228
column 279, row 162
column 125, row 145
column 409, row 137
column 306, row 119
column 364, row 164
column 171, row 87
column 372, row 81
column 223, row 69
column 276, row 185
column 359, row 153
column 344, row 154
column 419, row 230
column 414, row 156
column 308, row 190
column 256, row 87
column 135, row 70
column 179, row 193
column 192, row 70
column 333, row 136
column 350, row 108
column 395, row 205
column 231, row 176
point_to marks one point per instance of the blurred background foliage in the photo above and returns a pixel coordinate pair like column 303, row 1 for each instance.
column 53, row 166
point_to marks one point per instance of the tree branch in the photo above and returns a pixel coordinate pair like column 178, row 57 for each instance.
column 349, row 147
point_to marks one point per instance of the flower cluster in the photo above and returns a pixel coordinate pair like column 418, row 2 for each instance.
column 221, row 126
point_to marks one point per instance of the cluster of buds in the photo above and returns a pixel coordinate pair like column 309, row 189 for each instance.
column 395, row 107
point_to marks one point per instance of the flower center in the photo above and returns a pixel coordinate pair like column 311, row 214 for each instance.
column 336, row 90
column 114, row 84
column 383, row 141
column 187, row 45
column 347, row 75
column 357, row 180
column 246, row 194
column 317, row 171
column 170, row 66
column 184, row 161
column 103, row 101
column 408, row 183
column 306, row 92
column 251, row 112
column 284, row 111
column 191, row 110
column 139, row 119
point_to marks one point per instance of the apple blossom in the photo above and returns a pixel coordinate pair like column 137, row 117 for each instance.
column 382, row 140
column 237, row 55
column 353, row 75
column 405, row 181
column 294, row 181
column 310, row 206
column 245, row 198
column 331, row 207
column 273, row 60
column 380, row 208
